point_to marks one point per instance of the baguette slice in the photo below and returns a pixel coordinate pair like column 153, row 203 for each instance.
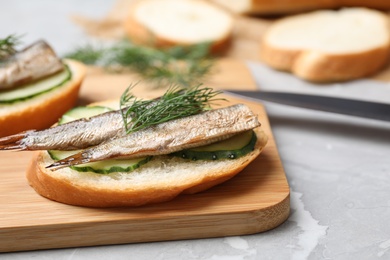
column 272, row 7
column 45, row 109
column 167, row 23
column 161, row 179
column 326, row 46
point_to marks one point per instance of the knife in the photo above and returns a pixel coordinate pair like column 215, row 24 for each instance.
column 352, row 107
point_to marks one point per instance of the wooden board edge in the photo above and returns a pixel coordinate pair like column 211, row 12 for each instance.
column 169, row 229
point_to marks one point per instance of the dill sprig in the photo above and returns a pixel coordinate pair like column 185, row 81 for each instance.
column 7, row 46
column 88, row 54
column 175, row 103
column 181, row 65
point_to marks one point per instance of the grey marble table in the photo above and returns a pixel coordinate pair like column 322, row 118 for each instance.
column 338, row 167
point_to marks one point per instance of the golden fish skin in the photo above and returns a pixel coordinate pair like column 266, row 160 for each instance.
column 78, row 134
column 192, row 131
column 32, row 63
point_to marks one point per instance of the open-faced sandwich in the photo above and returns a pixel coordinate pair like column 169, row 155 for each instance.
column 137, row 152
column 36, row 86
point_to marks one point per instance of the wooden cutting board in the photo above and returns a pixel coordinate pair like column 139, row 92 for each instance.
column 254, row 201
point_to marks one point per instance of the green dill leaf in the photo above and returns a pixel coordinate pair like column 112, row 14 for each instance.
column 7, row 46
column 88, row 54
column 175, row 103
column 181, row 65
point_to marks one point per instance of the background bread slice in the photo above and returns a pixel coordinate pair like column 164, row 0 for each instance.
column 161, row 179
column 43, row 110
column 166, row 23
column 328, row 46
column 276, row 7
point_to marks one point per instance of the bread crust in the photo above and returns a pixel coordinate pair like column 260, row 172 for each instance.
column 73, row 192
column 142, row 35
column 44, row 110
column 272, row 7
column 281, row 7
column 322, row 66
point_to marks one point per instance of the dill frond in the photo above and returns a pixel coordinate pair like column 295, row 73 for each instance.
column 88, row 54
column 175, row 103
column 182, row 65
column 7, row 46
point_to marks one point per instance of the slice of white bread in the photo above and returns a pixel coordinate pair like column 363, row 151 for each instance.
column 326, row 46
column 277, row 7
column 161, row 179
column 167, row 23
column 45, row 109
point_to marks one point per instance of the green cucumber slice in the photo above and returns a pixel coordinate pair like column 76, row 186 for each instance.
column 36, row 88
column 82, row 112
column 102, row 167
column 232, row 148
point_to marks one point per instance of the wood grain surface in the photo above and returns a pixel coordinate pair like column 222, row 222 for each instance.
column 254, row 201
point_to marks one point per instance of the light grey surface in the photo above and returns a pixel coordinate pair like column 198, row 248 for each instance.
column 338, row 167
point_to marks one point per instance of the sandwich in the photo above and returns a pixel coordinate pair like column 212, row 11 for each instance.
column 36, row 86
column 136, row 152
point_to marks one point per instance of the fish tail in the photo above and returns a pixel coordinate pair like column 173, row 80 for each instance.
column 12, row 142
column 76, row 159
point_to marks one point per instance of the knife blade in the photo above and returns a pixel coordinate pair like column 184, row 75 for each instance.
column 352, row 107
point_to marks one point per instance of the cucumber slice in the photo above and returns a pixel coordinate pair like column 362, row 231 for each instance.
column 36, row 88
column 82, row 112
column 232, row 148
column 102, row 167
